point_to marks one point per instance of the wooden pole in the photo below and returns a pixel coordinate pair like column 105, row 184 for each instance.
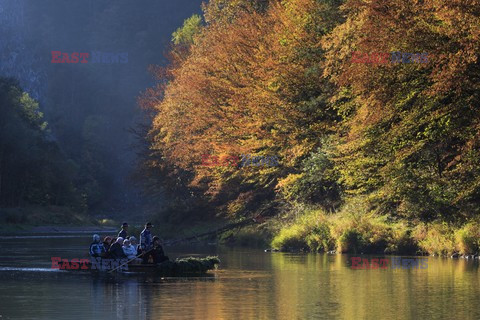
column 217, row 231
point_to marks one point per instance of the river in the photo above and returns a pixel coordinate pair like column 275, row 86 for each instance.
column 250, row 284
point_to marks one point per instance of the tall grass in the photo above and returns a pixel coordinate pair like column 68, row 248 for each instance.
column 436, row 238
column 354, row 230
column 310, row 230
column 351, row 232
column 467, row 239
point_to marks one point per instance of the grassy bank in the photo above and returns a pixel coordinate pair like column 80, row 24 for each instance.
column 346, row 232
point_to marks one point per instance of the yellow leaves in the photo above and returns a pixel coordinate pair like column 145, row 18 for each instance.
column 273, row 86
column 236, row 206
column 289, row 180
column 285, row 185
column 238, row 90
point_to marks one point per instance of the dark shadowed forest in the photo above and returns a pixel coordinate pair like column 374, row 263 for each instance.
column 66, row 129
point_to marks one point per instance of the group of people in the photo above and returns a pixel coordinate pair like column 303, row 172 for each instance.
column 124, row 246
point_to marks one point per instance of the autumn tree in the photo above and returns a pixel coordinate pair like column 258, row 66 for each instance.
column 411, row 138
column 251, row 84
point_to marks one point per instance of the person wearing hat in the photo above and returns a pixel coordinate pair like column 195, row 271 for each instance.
column 146, row 242
column 123, row 233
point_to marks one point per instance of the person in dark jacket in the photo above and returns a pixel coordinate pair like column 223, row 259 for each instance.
column 107, row 242
column 158, row 253
column 146, row 242
column 96, row 247
column 108, row 253
column 124, row 232
column 116, row 251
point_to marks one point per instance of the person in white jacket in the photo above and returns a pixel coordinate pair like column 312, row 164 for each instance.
column 129, row 250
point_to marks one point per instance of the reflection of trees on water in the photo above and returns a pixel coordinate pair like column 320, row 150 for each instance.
column 150, row 297
column 126, row 299
column 249, row 285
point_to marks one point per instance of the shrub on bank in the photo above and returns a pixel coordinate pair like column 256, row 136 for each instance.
column 319, row 239
column 351, row 240
column 353, row 230
column 401, row 241
column 293, row 236
column 309, row 231
column 320, row 232
column 467, row 239
column 364, row 233
column 435, row 239
column 345, row 233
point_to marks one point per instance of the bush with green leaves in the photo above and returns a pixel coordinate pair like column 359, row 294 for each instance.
column 467, row 239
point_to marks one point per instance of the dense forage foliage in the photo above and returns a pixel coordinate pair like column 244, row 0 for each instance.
column 276, row 78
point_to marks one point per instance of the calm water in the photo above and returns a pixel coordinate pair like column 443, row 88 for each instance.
column 250, row 284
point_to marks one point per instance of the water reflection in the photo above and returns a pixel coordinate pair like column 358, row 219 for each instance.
column 251, row 284
column 320, row 284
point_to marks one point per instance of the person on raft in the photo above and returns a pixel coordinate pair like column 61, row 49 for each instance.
column 129, row 250
column 124, row 232
column 146, row 242
column 134, row 243
column 107, row 242
column 158, row 254
column 151, row 247
column 116, row 250
column 96, row 247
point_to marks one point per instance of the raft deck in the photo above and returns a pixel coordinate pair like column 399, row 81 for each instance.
column 178, row 267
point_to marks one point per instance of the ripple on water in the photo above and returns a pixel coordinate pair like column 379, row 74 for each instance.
column 31, row 269
column 48, row 236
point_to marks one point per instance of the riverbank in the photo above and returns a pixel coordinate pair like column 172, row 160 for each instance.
column 38, row 220
column 45, row 220
column 346, row 232
column 309, row 230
